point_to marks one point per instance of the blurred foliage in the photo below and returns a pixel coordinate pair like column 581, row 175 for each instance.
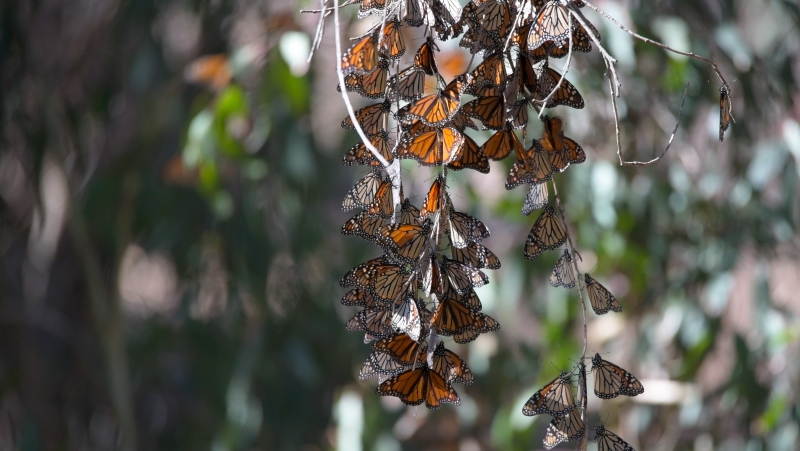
column 170, row 245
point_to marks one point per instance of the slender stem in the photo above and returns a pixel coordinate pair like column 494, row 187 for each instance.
column 393, row 168
column 583, row 441
column 609, row 60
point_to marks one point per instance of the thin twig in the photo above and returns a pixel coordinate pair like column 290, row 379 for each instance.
column 393, row 168
column 320, row 32
column 669, row 143
column 609, row 60
column 658, row 44
column 583, row 441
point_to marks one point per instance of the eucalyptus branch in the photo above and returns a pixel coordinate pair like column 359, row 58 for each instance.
column 658, row 44
column 320, row 31
column 393, row 168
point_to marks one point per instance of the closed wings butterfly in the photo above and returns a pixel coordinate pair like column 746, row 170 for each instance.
column 450, row 366
column 371, row 84
column 547, row 233
column 470, row 156
column 359, row 154
column 552, row 23
column 562, row 151
column 725, row 109
column 564, row 428
column 566, row 94
column 536, row 198
column 452, row 318
column 563, row 274
column 553, row 399
column 501, row 144
column 476, row 255
column 370, row 118
column 609, row 441
column 601, row 299
column 532, row 166
column 406, row 318
column 460, row 277
column 611, row 381
column 462, row 229
column 363, row 193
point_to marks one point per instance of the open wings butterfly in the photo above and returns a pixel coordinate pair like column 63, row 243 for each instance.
column 420, row 385
column 609, row 441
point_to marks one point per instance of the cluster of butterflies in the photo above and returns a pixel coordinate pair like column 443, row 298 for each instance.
column 556, row 399
column 432, row 253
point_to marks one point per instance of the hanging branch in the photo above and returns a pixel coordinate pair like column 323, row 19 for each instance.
column 393, row 168
column 582, row 442
column 663, row 46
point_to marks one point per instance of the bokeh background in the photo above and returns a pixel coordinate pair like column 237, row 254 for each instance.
column 169, row 232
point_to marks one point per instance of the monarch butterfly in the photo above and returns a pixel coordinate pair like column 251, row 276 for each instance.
column 385, row 280
column 406, row 240
column 450, row 366
column 433, row 200
column 425, row 58
column 376, row 322
column 406, row 318
column 419, row 385
column 359, row 153
column 382, row 205
column 363, row 193
column 518, row 114
column 491, row 72
column 361, row 57
column 460, row 277
column 360, row 297
column 602, row 300
column 564, row 428
column 551, row 24
column 532, row 167
column 562, row 150
column 418, row 13
column 431, row 276
column 547, row 233
column 490, row 110
column 528, row 77
column 432, row 148
column 566, row 94
column 563, row 274
column 409, row 214
column 393, row 355
column 446, row 13
column 435, row 109
column 453, row 318
column 408, row 85
column 725, row 109
column 553, row 399
column 371, row 7
column 611, row 381
column 363, row 225
column 501, row 144
column 580, row 43
column 609, row 441
column 536, row 198
column 470, row 156
column 476, row 255
column 470, row 299
column 371, row 84
column 371, row 117
column 391, row 45
column 462, row 228
column 494, row 17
